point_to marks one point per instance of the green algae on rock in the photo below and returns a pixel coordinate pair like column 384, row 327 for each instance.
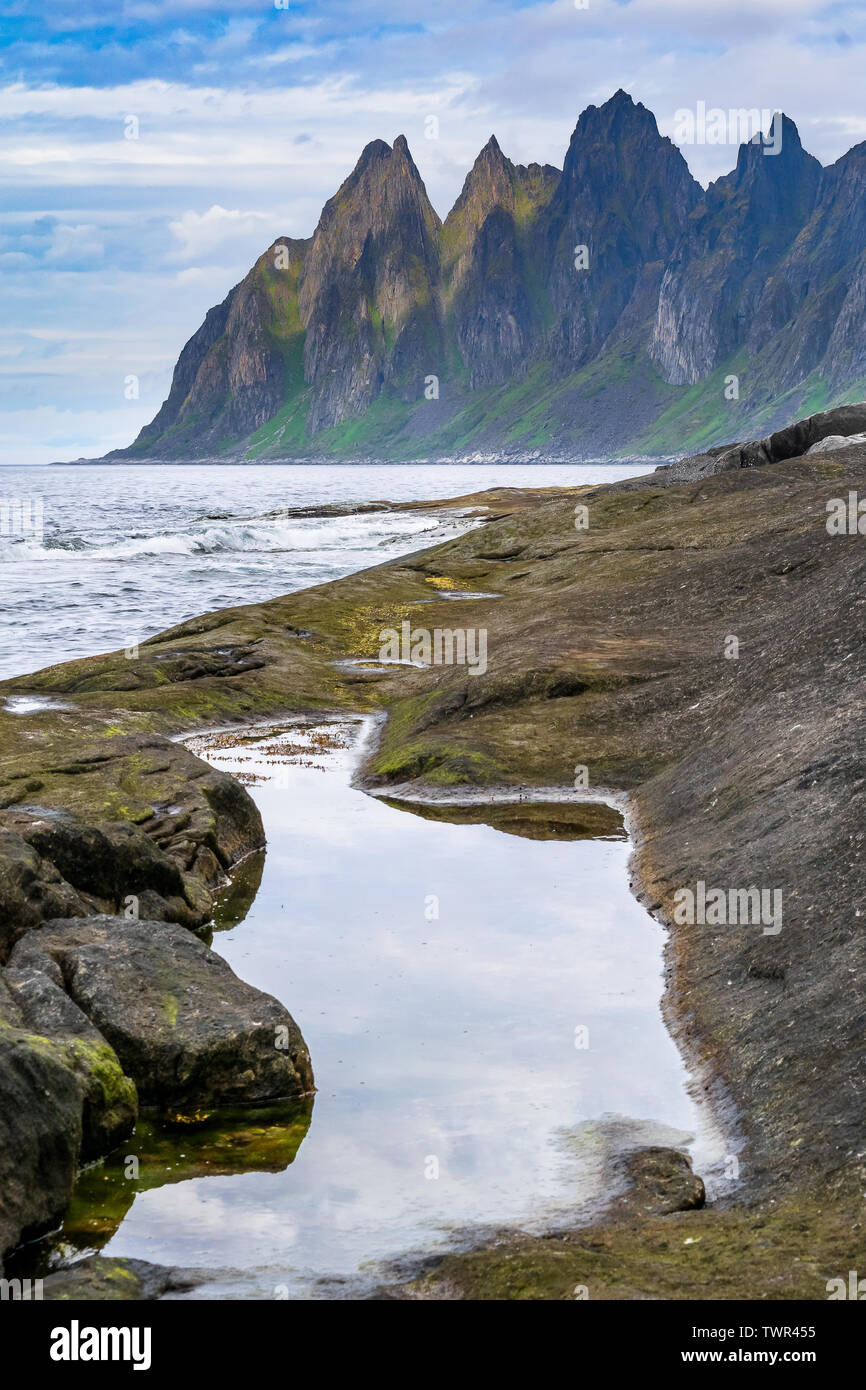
column 117, row 1280
column 63, row 1099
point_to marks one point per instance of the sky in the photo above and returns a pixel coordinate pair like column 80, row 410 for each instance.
column 151, row 150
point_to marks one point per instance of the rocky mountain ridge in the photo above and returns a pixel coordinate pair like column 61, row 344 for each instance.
column 612, row 306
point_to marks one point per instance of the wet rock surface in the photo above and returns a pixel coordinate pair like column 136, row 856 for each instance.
column 185, row 1028
column 644, row 1183
column 129, row 823
column 98, row 1013
column 110, row 1280
column 63, row 1100
column 658, row 1181
column 109, row 1100
column 40, row 1137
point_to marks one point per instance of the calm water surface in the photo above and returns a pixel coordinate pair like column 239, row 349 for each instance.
column 482, row 1011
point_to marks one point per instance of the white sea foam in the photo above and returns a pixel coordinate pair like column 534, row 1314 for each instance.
column 313, row 535
column 130, row 550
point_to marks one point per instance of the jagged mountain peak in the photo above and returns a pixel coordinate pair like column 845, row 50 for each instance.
column 856, row 155
column 774, row 182
column 489, row 157
column 495, row 179
column 367, row 295
column 490, row 166
column 486, row 251
column 619, row 114
column 373, row 151
column 619, row 142
column 341, row 331
column 291, row 247
column 384, row 191
column 772, row 151
column 620, row 101
column 377, row 161
column 625, row 195
column 728, row 280
column 510, row 197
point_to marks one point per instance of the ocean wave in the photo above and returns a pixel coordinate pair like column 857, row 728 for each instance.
column 348, row 533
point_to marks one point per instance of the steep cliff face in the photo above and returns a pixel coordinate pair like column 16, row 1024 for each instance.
column 369, row 291
column 234, row 373
column 337, row 318
column 188, row 366
column 596, row 309
column 817, row 292
column 489, row 264
column 624, row 195
column 722, row 267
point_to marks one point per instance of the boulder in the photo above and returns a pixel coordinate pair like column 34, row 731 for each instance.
column 64, row 1100
column 835, row 441
column 658, row 1181
column 131, row 817
column 108, row 1097
column 40, row 1131
column 31, row 889
column 843, row 425
column 98, row 868
column 186, row 1029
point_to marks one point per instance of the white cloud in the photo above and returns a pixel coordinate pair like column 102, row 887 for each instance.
column 75, row 244
column 223, row 164
column 200, row 234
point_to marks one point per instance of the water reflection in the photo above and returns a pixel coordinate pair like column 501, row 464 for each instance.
column 234, row 901
column 479, row 991
column 531, row 820
column 219, row 1144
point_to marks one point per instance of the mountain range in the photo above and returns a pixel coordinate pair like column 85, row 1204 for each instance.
column 610, row 307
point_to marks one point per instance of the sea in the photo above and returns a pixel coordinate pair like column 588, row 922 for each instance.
column 97, row 557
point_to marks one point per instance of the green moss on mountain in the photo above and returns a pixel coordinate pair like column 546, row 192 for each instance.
column 329, row 344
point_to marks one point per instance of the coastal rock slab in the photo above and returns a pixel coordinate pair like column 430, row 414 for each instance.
column 185, row 1028
column 114, row 1280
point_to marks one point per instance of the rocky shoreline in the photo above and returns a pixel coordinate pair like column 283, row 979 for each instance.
column 609, row 649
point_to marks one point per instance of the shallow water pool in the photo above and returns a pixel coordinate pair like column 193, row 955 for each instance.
column 479, row 991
